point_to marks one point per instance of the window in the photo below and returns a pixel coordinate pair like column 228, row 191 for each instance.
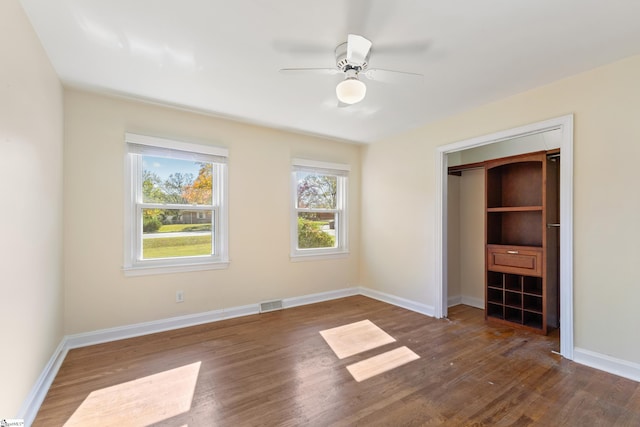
column 176, row 213
column 319, row 216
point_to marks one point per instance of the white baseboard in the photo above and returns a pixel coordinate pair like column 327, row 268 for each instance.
column 473, row 302
column 400, row 302
column 451, row 301
column 139, row 329
column 606, row 363
column 320, row 297
column 162, row 325
column 233, row 312
column 462, row 299
column 30, row 406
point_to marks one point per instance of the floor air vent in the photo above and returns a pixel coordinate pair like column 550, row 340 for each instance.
column 270, row 306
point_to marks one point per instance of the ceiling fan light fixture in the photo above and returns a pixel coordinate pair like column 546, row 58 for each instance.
column 351, row 90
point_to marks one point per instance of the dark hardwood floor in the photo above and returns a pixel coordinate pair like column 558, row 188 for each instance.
column 275, row 369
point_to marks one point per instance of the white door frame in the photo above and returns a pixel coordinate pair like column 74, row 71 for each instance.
column 565, row 124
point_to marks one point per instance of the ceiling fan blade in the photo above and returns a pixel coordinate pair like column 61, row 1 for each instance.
column 330, row 71
column 357, row 49
column 391, row 76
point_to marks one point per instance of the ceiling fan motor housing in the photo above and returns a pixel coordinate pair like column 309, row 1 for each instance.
column 344, row 64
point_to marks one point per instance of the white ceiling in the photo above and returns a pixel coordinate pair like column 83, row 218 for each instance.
column 223, row 57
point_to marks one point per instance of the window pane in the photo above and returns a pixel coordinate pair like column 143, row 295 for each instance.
column 316, row 230
column 316, row 191
column 166, row 180
column 170, row 233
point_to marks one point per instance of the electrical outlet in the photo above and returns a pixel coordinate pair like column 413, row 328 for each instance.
column 179, row 296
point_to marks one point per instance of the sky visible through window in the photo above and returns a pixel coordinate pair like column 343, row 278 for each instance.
column 164, row 166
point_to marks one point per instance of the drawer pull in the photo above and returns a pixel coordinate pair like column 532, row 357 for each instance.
column 512, row 252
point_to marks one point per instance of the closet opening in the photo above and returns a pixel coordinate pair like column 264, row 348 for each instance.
column 502, row 209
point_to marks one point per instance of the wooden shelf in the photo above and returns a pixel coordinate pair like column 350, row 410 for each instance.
column 515, row 209
column 517, row 198
column 517, row 228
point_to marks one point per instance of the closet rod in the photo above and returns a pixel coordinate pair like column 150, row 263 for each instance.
column 457, row 170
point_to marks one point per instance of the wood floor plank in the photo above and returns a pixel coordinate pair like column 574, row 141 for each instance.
column 276, row 369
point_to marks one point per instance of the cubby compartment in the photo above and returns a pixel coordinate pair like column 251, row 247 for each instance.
column 495, row 295
column 513, row 315
column 494, row 279
column 532, row 285
column 513, row 282
column 532, row 303
column 532, row 320
column 513, row 299
column 495, row 310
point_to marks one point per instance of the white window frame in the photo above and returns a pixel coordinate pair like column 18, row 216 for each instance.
column 342, row 222
column 136, row 147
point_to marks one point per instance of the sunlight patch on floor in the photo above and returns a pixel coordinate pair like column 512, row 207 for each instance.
column 358, row 337
column 381, row 363
column 143, row 401
column 355, row 338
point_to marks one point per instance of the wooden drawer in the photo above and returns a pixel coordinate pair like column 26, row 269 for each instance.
column 525, row 260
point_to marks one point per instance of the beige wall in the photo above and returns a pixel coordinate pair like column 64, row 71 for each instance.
column 453, row 235
column 30, row 208
column 472, row 236
column 98, row 295
column 398, row 187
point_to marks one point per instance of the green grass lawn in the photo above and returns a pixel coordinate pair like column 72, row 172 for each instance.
column 174, row 228
column 169, row 247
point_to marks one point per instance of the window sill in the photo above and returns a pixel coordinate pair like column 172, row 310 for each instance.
column 317, row 256
column 169, row 269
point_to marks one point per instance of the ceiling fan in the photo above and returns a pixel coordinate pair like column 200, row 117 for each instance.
column 352, row 59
